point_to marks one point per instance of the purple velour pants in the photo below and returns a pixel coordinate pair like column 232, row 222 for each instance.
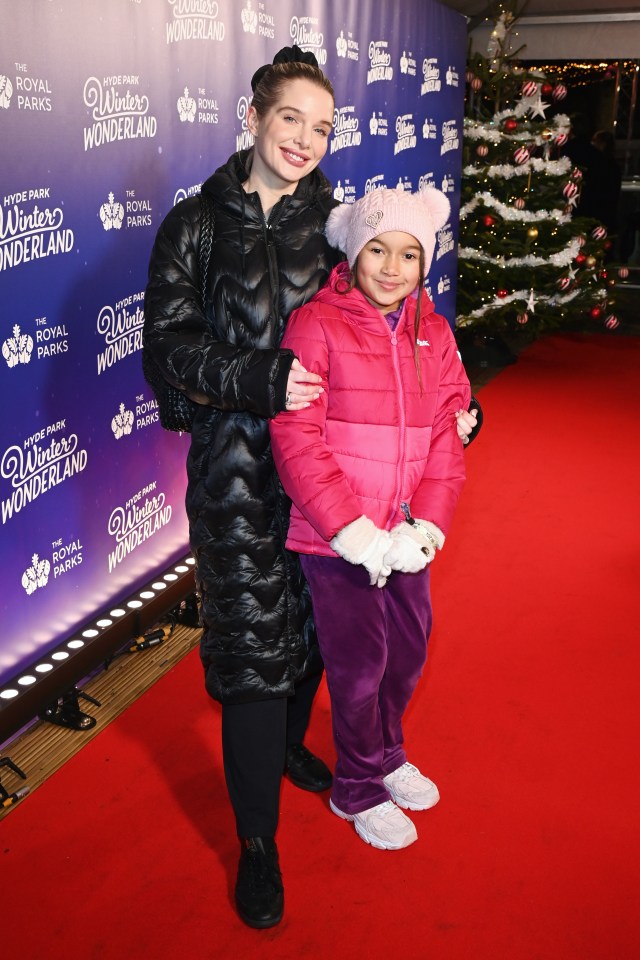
column 374, row 646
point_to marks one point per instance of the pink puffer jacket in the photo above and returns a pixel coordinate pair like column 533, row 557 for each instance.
column 374, row 439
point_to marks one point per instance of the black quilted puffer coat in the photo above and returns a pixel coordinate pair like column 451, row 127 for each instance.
column 258, row 637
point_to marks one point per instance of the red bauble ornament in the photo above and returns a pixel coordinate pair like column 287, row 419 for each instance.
column 561, row 139
column 482, row 150
column 529, row 89
column 546, row 89
column 576, row 173
column 510, row 124
column 523, row 317
column 519, row 203
column 581, row 240
column 476, row 83
column 564, row 283
column 595, row 312
column 559, row 91
column 623, row 272
column 488, row 220
column 599, row 233
column 469, row 76
column 611, row 322
column 503, row 293
column 580, row 258
column 521, row 155
column 570, row 190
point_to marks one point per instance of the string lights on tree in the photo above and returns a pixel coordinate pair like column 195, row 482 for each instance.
column 525, row 259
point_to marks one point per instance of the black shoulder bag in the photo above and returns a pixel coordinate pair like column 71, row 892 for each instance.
column 175, row 408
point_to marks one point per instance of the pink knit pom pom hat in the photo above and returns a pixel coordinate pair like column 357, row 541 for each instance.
column 351, row 225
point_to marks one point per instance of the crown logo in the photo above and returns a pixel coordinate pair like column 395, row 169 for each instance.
column 37, row 575
column 18, row 348
column 122, row 423
column 374, row 219
column 112, row 214
column 6, row 91
column 186, row 107
column 249, row 19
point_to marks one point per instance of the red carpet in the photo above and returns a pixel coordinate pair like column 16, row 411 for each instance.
column 527, row 718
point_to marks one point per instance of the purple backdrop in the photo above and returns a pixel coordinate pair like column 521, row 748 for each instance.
column 109, row 113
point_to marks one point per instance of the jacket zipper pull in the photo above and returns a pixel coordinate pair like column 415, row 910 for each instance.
column 407, row 513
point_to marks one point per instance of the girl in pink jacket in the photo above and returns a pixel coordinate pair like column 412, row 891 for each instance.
column 374, row 469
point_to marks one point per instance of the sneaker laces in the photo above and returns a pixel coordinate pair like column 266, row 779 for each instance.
column 406, row 772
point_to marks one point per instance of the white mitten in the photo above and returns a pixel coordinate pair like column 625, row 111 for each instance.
column 425, row 533
column 361, row 542
column 407, row 553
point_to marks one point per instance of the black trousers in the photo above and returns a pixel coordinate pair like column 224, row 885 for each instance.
column 255, row 737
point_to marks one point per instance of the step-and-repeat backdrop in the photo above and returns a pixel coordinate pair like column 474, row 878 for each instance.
column 109, row 114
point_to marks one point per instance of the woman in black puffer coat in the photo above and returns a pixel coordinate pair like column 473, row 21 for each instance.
column 269, row 256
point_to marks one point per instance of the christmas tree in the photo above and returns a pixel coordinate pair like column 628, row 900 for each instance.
column 526, row 261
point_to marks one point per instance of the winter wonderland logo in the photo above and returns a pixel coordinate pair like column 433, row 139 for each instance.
column 408, row 64
column 379, row 62
column 426, row 181
column 347, row 47
column 429, row 130
column 183, row 192
column 445, row 241
column 450, row 137
column 204, row 110
column 142, row 516
column 31, row 234
column 405, row 134
column 44, row 460
column 375, row 183
column 431, row 76
column 244, row 140
column 304, row 33
column 194, row 20
column 378, row 125
column 258, row 21
column 345, row 129
column 121, row 327
column 116, row 115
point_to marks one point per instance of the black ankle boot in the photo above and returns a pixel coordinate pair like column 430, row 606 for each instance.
column 259, row 890
column 306, row 770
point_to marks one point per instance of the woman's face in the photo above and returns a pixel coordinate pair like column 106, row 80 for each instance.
column 291, row 138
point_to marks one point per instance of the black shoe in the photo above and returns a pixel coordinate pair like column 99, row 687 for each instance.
column 259, row 890
column 305, row 770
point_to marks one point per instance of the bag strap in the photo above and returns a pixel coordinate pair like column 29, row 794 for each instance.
column 207, row 223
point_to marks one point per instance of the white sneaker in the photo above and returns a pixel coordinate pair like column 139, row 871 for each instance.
column 383, row 826
column 409, row 789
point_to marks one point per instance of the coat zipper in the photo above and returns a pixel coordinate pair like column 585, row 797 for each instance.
column 403, row 419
